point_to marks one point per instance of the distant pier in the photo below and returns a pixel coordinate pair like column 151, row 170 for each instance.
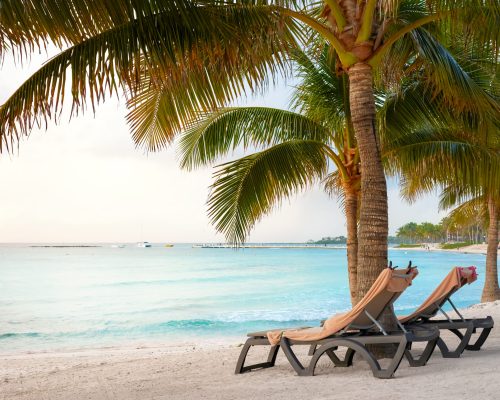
column 268, row 246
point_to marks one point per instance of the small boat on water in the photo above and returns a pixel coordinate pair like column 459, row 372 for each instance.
column 117, row 246
column 169, row 245
column 143, row 244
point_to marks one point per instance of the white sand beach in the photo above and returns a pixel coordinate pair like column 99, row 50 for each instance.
column 207, row 372
column 472, row 249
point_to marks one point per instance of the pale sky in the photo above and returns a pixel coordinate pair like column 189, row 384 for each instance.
column 84, row 181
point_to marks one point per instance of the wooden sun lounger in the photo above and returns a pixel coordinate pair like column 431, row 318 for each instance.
column 356, row 336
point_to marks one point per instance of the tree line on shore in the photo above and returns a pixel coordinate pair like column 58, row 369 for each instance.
column 448, row 230
column 343, row 240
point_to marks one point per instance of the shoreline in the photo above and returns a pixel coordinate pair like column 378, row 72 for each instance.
column 473, row 249
column 130, row 347
column 268, row 246
column 198, row 371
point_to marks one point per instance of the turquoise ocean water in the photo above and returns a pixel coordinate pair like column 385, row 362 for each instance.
column 67, row 298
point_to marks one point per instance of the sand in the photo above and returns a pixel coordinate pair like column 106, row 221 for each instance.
column 206, row 372
column 472, row 249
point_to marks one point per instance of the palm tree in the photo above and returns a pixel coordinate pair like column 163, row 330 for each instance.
column 485, row 206
column 292, row 155
column 482, row 208
column 470, row 206
column 408, row 231
column 462, row 156
column 296, row 149
column 186, row 55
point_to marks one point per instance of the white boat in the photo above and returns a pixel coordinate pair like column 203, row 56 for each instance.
column 143, row 244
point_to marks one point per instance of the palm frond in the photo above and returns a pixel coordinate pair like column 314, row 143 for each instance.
column 477, row 19
column 453, row 196
column 29, row 24
column 189, row 60
column 471, row 212
column 410, row 108
column 391, row 71
column 218, row 133
column 25, row 25
column 463, row 86
column 321, row 95
column 427, row 160
column 334, row 188
column 333, row 185
column 251, row 187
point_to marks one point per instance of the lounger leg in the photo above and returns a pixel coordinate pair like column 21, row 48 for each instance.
column 480, row 340
column 273, row 353
column 354, row 347
column 346, row 362
column 424, row 357
column 271, row 358
column 292, row 358
column 312, row 349
column 395, row 362
column 464, row 340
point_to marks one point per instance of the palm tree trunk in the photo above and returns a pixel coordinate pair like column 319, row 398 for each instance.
column 491, row 291
column 351, row 212
column 373, row 219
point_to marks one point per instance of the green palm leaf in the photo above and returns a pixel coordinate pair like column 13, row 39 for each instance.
column 428, row 159
column 468, row 212
column 479, row 19
column 25, row 25
column 453, row 196
column 462, row 89
column 321, row 95
column 235, row 47
column 220, row 132
column 248, row 188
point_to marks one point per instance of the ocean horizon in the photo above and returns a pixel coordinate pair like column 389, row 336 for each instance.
column 54, row 298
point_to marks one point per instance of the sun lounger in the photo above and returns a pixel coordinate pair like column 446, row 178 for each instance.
column 458, row 277
column 354, row 330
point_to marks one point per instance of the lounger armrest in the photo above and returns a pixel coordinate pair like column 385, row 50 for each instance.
column 264, row 333
column 486, row 322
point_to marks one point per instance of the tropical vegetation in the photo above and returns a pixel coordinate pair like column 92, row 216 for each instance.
column 313, row 143
column 247, row 188
column 423, row 232
column 466, row 166
column 176, row 58
column 457, row 245
column 454, row 228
